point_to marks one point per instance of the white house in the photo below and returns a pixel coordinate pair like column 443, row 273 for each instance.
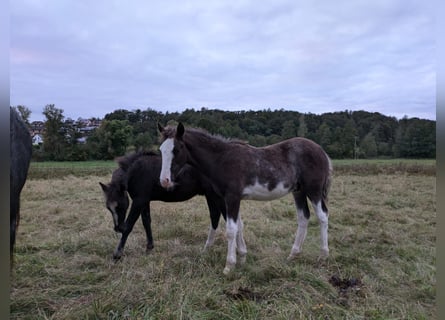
column 37, row 139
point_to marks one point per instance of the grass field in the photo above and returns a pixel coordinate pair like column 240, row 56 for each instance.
column 382, row 263
column 52, row 169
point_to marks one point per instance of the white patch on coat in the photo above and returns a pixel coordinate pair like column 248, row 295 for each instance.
column 261, row 191
column 167, row 158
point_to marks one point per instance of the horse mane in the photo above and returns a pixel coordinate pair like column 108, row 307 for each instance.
column 126, row 161
column 170, row 132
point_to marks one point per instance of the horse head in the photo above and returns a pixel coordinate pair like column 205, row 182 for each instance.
column 117, row 202
column 174, row 154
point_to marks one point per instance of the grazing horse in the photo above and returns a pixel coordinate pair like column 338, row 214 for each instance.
column 20, row 157
column 240, row 171
column 138, row 175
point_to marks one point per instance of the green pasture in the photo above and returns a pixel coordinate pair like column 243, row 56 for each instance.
column 382, row 263
column 54, row 169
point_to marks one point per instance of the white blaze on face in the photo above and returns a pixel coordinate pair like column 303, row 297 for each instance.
column 167, row 158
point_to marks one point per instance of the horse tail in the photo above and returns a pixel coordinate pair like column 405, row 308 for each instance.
column 327, row 185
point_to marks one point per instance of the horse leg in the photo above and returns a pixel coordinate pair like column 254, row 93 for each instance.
column 240, row 243
column 146, row 221
column 14, row 220
column 302, row 221
column 214, row 220
column 231, row 233
column 322, row 214
column 135, row 212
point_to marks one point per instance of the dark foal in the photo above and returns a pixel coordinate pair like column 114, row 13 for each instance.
column 138, row 175
column 240, row 171
column 20, row 157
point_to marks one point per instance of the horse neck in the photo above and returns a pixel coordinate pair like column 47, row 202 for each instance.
column 119, row 179
column 203, row 151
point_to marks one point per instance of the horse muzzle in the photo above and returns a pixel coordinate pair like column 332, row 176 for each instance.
column 166, row 183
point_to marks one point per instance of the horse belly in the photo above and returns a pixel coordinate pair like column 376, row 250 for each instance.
column 261, row 192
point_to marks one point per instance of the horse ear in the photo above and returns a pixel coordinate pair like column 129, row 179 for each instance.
column 104, row 187
column 180, row 130
column 160, row 127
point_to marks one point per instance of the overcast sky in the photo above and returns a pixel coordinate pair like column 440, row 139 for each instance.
column 90, row 58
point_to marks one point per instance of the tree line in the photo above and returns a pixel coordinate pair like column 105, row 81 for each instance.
column 343, row 134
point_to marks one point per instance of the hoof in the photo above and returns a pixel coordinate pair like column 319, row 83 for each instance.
column 324, row 254
column 149, row 247
column 228, row 269
column 242, row 259
column 117, row 256
column 293, row 256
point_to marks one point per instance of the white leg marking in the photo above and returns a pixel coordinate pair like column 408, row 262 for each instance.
column 300, row 235
column 240, row 243
column 231, row 231
column 210, row 238
column 323, row 219
column 167, row 157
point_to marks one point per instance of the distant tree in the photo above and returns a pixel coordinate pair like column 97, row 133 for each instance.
column 417, row 139
column 207, row 124
column 144, row 141
column 324, row 135
column 343, row 139
column 288, row 130
column 339, row 133
column 119, row 114
column 302, row 128
column 274, row 125
column 74, row 151
column 24, row 113
column 54, row 134
column 111, row 139
column 368, row 146
column 384, row 149
column 231, row 131
column 257, row 140
column 273, row 139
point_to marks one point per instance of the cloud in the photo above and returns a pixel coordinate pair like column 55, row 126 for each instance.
column 93, row 57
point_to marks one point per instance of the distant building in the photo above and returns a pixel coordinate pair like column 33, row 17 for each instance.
column 37, row 139
column 82, row 140
column 84, row 126
column 36, row 127
column 87, row 129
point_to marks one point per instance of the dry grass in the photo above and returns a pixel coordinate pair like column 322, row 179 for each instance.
column 382, row 241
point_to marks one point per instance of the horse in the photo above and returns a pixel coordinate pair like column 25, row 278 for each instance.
column 138, row 177
column 239, row 171
column 20, row 157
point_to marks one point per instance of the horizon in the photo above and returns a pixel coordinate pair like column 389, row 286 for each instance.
column 42, row 118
